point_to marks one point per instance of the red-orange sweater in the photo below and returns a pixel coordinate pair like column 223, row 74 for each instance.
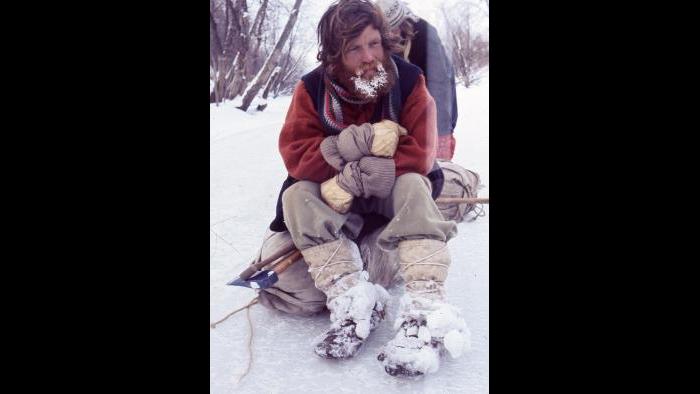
column 303, row 132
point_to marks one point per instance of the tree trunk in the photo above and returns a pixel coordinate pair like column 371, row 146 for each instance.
column 237, row 41
column 215, row 47
column 238, row 81
column 287, row 71
column 273, row 78
column 276, row 84
column 215, row 50
column 272, row 60
column 256, row 30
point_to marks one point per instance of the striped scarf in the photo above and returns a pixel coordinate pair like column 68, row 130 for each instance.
column 334, row 95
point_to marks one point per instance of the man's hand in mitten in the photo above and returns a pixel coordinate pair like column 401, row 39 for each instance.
column 369, row 176
column 379, row 139
column 329, row 151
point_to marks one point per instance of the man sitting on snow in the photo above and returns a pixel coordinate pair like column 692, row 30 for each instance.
column 360, row 138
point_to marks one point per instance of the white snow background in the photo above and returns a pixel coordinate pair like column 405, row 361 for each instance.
column 246, row 173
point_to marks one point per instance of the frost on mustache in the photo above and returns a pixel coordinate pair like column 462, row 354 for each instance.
column 370, row 87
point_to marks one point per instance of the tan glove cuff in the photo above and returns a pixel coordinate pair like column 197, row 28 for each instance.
column 335, row 196
column 386, row 138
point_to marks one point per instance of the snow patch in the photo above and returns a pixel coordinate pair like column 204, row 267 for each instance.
column 456, row 343
column 443, row 323
column 356, row 304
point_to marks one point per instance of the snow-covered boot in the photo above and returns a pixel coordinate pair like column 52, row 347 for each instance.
column 427, row 326
column 356, row 305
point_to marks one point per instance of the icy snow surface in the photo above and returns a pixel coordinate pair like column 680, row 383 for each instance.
column 246, row 173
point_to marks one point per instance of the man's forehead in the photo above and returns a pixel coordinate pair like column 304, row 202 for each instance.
column 370, row 32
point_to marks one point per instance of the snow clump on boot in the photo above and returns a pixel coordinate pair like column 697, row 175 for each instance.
column 427, row 329
column 354, row 314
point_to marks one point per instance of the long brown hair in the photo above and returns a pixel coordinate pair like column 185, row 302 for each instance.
column 344, row 21
column 407, row 31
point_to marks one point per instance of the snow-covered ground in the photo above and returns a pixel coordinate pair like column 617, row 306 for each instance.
column 246, row 172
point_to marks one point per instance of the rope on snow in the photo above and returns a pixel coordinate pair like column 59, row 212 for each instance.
column 250, row 338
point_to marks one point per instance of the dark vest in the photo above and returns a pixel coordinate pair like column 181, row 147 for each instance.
column 313, row 82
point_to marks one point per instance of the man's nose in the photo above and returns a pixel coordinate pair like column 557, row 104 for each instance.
column 367, row 56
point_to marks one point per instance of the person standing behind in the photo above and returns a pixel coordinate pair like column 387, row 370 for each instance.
column 422, row 47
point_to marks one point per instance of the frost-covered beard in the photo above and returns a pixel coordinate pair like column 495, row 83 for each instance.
column 373, row 88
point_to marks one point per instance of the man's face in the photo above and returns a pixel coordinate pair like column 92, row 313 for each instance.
column 365, row 72
column 364, row 54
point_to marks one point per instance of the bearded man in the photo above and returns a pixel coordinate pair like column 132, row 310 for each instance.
column 359, row 139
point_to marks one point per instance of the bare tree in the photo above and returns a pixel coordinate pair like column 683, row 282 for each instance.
column 256, row 31
column 215, row 47
column 285, row 75
column 239, row 50
column 238, row 39
column 291, row 71
column 228, row 56
column 262, row 105
column 215, row 51
column 272, row 61
column 469, row 50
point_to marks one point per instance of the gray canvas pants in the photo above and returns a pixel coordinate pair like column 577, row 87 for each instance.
column 410, row 207
column 312, row 222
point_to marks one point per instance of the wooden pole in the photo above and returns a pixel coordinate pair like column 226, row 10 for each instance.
column 450, row 200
